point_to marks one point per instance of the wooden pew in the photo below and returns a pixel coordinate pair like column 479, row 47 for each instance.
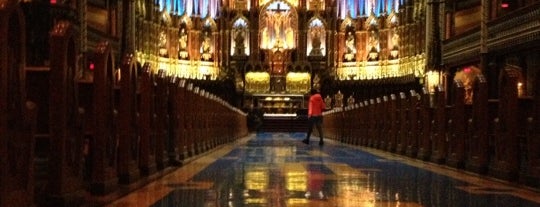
column 392, row 121
column 456, row 127
column 403, row 123
column 372, row 123
column 532, row 172
column 413, row 135
column 424, row 137
column 104, row 142
column 505, row 161
column 147, row 122
column 174, row 104
column 182, row 126
column 478, row 153
column 128, row 134
column 18, row 120
column 65, row 183
column 438, row 133
column 162, row 120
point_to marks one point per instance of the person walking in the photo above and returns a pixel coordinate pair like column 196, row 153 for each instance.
column 315, row 109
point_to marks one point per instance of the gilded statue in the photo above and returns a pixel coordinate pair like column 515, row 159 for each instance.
column 328, row 102
column 350, row 101
column 338, row 97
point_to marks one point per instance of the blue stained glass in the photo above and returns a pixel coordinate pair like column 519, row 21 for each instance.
column 204, row 8
column 351, row 7
column 180, row 7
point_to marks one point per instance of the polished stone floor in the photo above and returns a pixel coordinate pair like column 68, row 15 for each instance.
column 278, row 170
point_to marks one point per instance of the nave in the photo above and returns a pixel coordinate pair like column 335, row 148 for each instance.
column 278, row 170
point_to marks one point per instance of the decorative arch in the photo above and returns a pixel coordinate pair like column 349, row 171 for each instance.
column 278, row 24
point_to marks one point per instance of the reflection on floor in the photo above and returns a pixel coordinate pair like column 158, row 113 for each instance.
column 278, row 170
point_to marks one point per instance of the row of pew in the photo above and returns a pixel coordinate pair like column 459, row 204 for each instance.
column 495, row 137
column 64, row 139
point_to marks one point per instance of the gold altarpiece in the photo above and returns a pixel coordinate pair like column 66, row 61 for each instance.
column 278, row 36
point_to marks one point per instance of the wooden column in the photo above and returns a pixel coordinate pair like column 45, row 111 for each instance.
column 532, row 175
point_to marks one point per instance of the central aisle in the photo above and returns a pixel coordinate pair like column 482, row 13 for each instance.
column 278, row 170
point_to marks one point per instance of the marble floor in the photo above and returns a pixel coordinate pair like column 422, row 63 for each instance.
column 278, row 170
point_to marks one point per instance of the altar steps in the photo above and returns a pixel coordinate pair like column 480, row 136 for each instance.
column 285, row 124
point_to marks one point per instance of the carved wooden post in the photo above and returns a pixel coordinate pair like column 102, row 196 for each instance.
column 439, row 150
column 456, row 128
column 104, row 143
column 147, row 123
column 478, row 155
column 506, row 161
column 424, row 140
column 412, row 140
column 128, row 145
column 403, row 132
column 18, row 119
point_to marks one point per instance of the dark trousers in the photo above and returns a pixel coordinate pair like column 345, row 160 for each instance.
column 317, row 122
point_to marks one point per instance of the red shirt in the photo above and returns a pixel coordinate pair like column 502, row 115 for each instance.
column 316, row 105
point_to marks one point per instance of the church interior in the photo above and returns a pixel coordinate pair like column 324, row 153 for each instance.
column 151, row 102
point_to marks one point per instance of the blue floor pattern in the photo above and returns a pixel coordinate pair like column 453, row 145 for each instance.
column 278, row 170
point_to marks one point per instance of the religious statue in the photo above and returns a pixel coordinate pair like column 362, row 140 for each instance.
column 328, row 102
column 394, row 52
column 162, row 44
column 182, row 44
column 315, row 43
column 350, row 101
column 239, row 48
column 205, row 47
column 349, row 43
column 338, row 97
column 373, row 45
